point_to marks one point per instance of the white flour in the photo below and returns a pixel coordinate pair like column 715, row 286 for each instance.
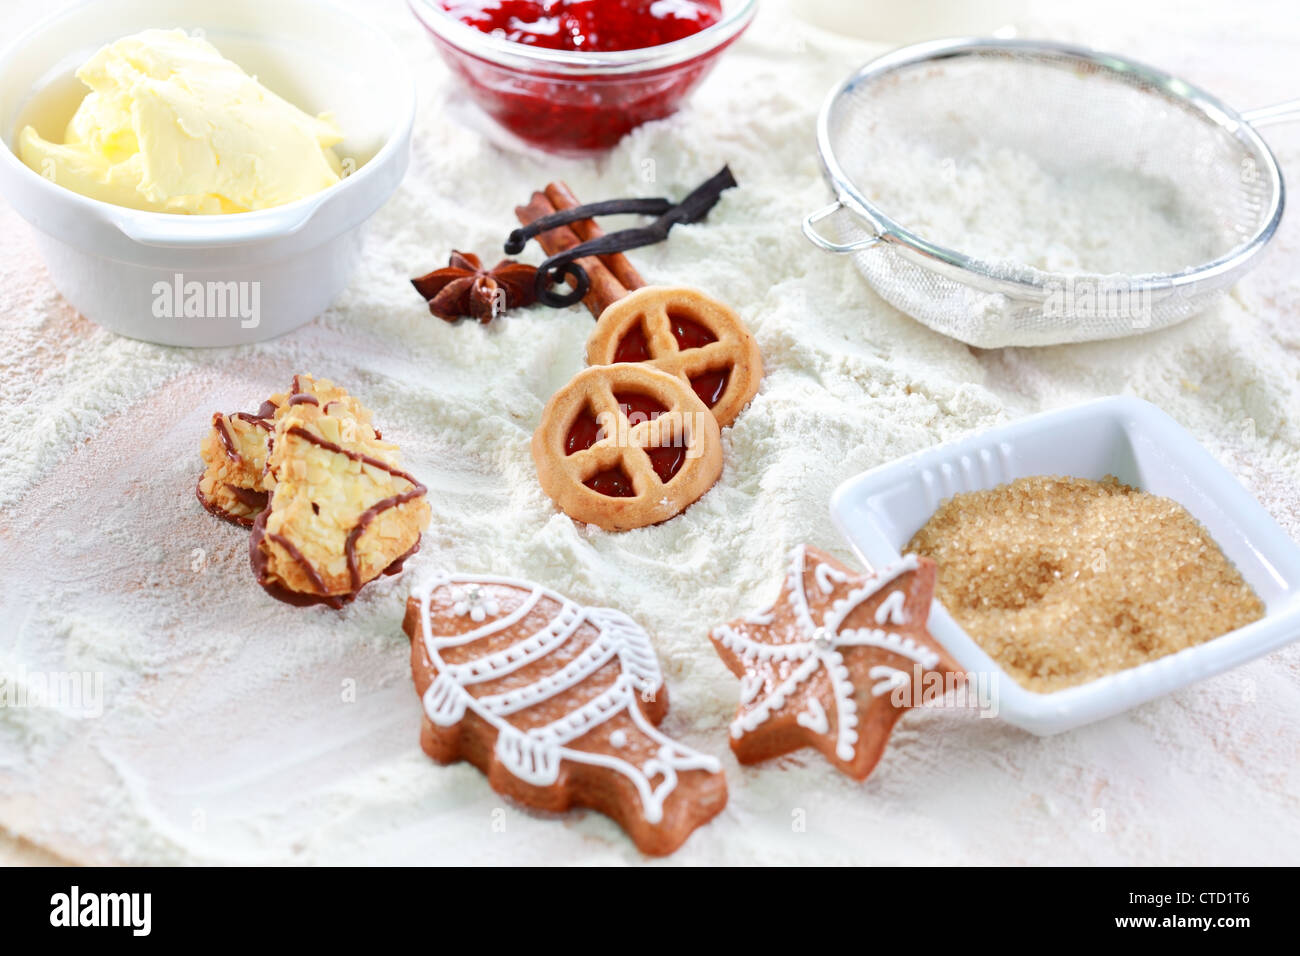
column 238, row 729
column 1065, row 171
column 1000, row 204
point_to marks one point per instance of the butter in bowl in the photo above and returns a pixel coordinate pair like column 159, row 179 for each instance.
column 171, row 125
column 202, row 182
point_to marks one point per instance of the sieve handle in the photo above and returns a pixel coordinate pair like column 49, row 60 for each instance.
column 817, row 239
column 1277, row 113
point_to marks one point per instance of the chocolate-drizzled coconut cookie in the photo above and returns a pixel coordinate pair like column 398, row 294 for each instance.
column 233, row 483
column 234, row 457
column 340, row 513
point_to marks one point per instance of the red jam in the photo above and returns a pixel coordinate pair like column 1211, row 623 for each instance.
column 639, row 408
column 633, row 347
column 613, row 482
column 690, row 335
column 588, row 25
column 666, row 461
column 594, row 110
column 710, row 386
column 583, row 433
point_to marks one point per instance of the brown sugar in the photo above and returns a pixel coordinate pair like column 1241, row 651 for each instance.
column 1064, row 580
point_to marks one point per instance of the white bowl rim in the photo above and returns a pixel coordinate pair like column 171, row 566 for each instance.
column 257, row 224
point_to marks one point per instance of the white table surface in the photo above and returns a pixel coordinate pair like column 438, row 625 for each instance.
column 1208, row 775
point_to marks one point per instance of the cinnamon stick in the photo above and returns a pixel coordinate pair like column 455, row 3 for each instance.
column 562, row 197
column 605, row 287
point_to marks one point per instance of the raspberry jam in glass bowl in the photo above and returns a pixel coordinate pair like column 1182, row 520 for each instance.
column 588, row 25
column 574, row 76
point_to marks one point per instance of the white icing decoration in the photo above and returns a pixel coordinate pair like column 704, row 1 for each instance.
column 893, row 609
column 534, row 756
column 820, row 649
column 442, row 702
column 749, row 688
column 846, row 708
column 814, row 717
column 500, row 624
column 635, row 652
column 841, row 609
column 473, row 603
column 888, row 678
column 799, row 600
column 747, row 647
column 523, row 653
column 593, row 657
column 887, row 641
column 827, row 577
column 531, row 760
column 774, row 701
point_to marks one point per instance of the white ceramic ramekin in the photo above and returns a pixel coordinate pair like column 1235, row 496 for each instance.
column 880, row 510
column 130, row 270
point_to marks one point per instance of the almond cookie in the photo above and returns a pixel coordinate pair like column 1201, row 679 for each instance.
column 340, row 513
column 233, row 484
column 625, row 446
column 322, row 392
column 234, row 456
column 557, row 704
column 834, row 662
column 687, row 334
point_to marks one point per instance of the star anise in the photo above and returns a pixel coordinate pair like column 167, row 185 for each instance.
column 466, row 289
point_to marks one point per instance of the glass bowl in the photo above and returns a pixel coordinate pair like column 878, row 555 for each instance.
column 573, row 102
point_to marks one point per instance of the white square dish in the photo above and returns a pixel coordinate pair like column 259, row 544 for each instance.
column 879, row 511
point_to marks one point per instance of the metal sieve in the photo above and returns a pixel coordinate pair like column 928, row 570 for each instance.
column 1070, row 112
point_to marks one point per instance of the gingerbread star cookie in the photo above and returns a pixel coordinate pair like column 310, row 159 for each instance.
column 820, row 667
column 233, row 484
column 558, row 704
column 341, row 512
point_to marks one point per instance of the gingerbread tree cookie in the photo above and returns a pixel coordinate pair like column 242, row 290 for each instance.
column 819, row 668
column 557, row 704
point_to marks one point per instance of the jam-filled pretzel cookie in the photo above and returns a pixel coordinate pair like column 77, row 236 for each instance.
column 341, row 511
column 685, row 333
column 233, row 484
column 557, row 704
column 625, row 446
column 834, row 662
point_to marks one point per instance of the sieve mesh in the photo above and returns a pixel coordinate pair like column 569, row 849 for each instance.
column 1124, row 199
